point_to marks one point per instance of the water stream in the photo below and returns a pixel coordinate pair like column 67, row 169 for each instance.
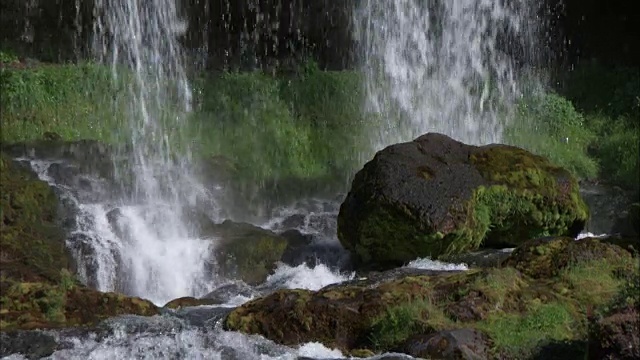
column 441, row 66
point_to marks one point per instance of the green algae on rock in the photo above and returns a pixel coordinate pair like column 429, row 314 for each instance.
column 382, row 317
column 33, row 246
column 436, row 196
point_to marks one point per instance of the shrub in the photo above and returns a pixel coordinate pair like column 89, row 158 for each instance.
column 548, row 124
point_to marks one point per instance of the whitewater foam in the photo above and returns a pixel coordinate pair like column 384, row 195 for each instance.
column 304, row 277
column 428, row 264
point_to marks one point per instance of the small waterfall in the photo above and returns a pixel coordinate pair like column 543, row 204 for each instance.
column 440, row 66
column 160, row 258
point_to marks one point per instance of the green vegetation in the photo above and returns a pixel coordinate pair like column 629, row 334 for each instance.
column 310, row 124
column 590, row 125
column 74, row 101
column 547, row 124
column 400, row 322
column 306, row 126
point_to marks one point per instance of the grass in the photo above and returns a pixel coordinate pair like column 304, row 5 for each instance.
column 520, row 334
column 311, row 125
column 398, row 323
column 548, row 124
column 307, row 126
column 590, row 124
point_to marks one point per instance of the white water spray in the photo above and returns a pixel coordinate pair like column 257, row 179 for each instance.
column 139, row 40
column 439, row 66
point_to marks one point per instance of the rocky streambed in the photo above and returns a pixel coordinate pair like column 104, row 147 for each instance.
column 363, row 295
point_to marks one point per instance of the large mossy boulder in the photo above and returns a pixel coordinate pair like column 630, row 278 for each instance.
column 518, row 314
column 37, row 289
column 436, row 196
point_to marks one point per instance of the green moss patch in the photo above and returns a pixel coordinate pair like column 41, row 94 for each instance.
column 529, row 198
column 33, row 247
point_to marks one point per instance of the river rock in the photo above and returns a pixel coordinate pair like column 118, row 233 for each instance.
column 608, row 205
column 436, row 196
column 627, row 224
column 245, row 252
column 30, row 344
column 226, row 292
column 460, row 344
column 383, row 314
column 616, row 336
column 187, row 301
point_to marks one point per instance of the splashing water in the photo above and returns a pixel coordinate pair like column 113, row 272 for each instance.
column 139, row 40
column 439, row 66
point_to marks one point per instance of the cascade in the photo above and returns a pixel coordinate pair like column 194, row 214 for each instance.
column 159, row 259
column 441, row 66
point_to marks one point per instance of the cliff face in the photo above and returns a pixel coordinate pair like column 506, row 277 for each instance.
column 226, row 33
column 275, row 33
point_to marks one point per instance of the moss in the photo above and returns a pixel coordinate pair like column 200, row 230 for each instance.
column 528, row 197
column 519, row 335
column 398, row 323
column 545, row 258
column 385, row 227
column 33, row 247
column 41, row 305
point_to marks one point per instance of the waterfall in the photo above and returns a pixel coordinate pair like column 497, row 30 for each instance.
column 441, row 66
column 158, row 259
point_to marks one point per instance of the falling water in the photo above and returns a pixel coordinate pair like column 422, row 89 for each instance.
column 139, row 40
column 440, row 66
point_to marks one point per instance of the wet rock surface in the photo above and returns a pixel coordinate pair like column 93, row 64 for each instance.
column 462, row 344
column 607, row 206
column 31, row 344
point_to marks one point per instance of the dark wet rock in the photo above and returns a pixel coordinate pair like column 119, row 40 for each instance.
column 246, row 252
column 293, row 222
column 90, row 156
column 115, row 219
column 84, row 258
column 545, row 257
column 561, row 350
column 436, row 196
column 627, row 224
column 459, row 344
column 300, row 249
column 188, row 301
column 202, row 316
column 226, row 292
column 482, row 258
column 30, row 344
column 616, row 335
column 606, row 206
column 67, row 212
